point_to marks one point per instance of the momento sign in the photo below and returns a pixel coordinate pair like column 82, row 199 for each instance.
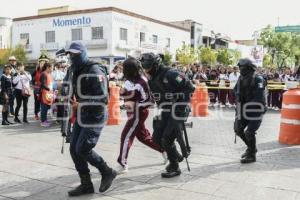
column 292, row 29
column 80, row 21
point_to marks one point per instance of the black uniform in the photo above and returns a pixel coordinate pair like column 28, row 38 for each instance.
column 89, row 82
column 250, row 94
column 171, row 90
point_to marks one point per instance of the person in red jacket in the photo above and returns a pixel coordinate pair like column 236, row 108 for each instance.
column 36, row 75
column 137, row 99
column 46, row 93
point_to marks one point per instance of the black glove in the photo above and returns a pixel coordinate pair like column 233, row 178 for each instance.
column 182, row 111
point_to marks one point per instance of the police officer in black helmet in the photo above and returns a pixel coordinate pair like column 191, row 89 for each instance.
column 171, row 91
column 251, row 105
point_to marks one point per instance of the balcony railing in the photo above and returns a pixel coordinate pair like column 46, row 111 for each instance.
column 50, row 46
column 28, row 48
column 149, row 46
column 96, row 44
column 92, row 44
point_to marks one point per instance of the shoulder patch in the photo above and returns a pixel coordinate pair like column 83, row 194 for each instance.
column 101, row 78
column 165, row 80
column 179, row 78
column 260, row 85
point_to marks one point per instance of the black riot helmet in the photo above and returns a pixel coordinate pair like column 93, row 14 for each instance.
column 150, row 60
column 246, row 66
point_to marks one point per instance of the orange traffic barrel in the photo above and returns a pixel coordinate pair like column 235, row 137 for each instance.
column 199, row 102
column 290, row 118
column 114, row 111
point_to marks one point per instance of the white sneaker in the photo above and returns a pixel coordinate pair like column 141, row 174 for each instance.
column 230, row 105
column 165, row 157
column 222, row 106
column 216, row 104
column 122, row 170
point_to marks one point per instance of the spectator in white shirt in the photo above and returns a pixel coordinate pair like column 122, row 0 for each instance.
column 287, row 76
column 233, row 78
column 22, row 91
column 58, row 75
column 223, row 93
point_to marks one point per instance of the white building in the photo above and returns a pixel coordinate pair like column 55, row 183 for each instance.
column 196, row 31
column 109, row 33
column 5, row 32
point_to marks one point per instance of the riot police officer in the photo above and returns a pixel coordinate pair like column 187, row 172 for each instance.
column 251, row 105
column 171, row 91
column 89, row 83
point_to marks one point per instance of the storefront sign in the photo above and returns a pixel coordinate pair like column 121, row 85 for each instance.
column 81, row 21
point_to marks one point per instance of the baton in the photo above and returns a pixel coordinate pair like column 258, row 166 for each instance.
column 63, row 145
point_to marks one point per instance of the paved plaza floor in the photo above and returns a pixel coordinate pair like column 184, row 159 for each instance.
column 32, row 167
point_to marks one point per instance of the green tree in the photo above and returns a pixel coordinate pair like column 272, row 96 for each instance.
column 19, row 52
column 225, row 57
column 186, row 55
column 267, row 61
column 284, row 48
column 207, row 56
column 167, row 58
column 235, row 56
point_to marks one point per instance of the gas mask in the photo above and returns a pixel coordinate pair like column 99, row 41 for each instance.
column 79, row 60
column 245, row 70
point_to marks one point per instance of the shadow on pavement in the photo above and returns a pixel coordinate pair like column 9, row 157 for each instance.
column 284, row 158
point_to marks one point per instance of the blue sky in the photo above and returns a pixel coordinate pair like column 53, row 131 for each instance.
column 237, row 18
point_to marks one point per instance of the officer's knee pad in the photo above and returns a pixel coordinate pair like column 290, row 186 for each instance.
column 250, row 134
column 254, row 126
column 164, row 143
column 81, row 151
column 72, row 150
column 157, row 140
column 240, row 133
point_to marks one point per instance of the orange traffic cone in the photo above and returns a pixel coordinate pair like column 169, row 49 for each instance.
column 200, row 102
column 290, row 118
column 194, row 103
column 114, row 111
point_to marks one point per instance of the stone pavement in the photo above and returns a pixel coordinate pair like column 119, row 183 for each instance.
column 32, row 168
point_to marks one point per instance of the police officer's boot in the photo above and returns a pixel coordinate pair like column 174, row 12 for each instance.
column 251, row 153
column 180, row 158
column 172, row 170
column 108, row 175
column 86, row 186
column 244, row 139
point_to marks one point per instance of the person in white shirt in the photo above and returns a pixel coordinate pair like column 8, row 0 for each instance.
column 22, row 91
column 233, row 78
column 58, row 76
column 287, row 76
column 223, row 77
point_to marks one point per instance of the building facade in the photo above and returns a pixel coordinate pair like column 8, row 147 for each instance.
column 5, row 32
column 196, row 30
column 203, row 36
column 109, row 33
